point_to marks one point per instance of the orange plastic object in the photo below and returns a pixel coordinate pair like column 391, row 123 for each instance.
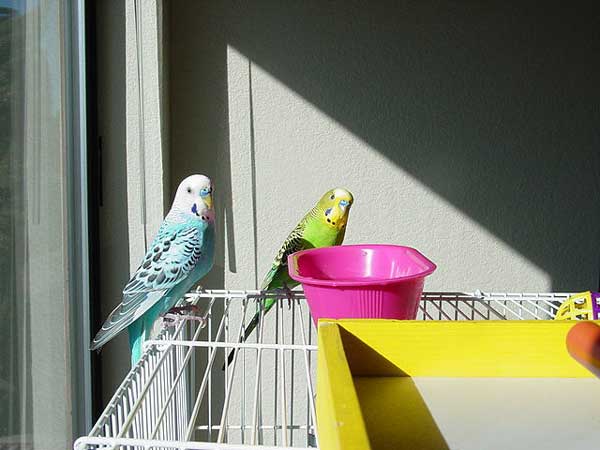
column 583, row 343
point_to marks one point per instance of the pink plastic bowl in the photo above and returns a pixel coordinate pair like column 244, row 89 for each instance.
column 361, row 281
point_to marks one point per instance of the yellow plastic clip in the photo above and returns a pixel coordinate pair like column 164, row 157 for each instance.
column 577, row 307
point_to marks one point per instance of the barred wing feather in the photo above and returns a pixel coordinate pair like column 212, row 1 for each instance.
column 292, row 244
column 171, row 258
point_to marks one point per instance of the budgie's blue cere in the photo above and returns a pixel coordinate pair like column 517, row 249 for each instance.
column 180, row 255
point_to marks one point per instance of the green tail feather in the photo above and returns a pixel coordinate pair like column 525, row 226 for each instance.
column 250, row 328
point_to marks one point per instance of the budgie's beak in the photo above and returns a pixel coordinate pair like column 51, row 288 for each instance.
column 207, row 199
column 338, row 214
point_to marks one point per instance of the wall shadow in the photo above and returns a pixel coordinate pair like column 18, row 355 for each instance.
column 493, row 105
column 395, row 413
column 207, row 108
column 110, row 174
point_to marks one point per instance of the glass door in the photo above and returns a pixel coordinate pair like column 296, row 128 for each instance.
column 44, row 365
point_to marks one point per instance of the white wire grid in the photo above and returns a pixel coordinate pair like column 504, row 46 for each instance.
column 178, row 396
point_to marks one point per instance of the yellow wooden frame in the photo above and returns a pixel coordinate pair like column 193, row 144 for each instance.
column 365, row 367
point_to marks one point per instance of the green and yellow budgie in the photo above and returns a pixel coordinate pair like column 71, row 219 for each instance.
column 323, row 226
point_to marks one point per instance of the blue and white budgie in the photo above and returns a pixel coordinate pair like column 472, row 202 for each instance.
column 180, row 255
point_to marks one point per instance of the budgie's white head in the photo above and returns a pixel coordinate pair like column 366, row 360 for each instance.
column 194, row 197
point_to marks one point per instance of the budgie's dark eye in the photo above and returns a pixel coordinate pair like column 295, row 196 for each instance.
column 332, row 196
column 189, row 190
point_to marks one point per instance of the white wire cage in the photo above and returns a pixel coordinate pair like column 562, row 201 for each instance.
column 180, row 395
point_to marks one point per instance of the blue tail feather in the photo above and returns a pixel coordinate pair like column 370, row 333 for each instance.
column 141, row 329
column 136, row 340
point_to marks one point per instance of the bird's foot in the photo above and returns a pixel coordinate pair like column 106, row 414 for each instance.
column 184, row 309
column 287, row 292
column 185, row 312
column 170, row 320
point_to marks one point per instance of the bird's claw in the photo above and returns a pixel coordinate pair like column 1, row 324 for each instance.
column 184, row 309
column 289, row 294
column 170, row 320
column 185, row 312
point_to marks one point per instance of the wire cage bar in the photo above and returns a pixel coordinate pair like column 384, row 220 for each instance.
column 180, row 395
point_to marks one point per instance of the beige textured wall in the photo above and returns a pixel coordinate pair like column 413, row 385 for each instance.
column 467, row 131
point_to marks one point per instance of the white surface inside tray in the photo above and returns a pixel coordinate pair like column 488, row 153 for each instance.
column 515, row 413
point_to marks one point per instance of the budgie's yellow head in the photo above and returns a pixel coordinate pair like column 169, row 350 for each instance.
column 335, row 206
